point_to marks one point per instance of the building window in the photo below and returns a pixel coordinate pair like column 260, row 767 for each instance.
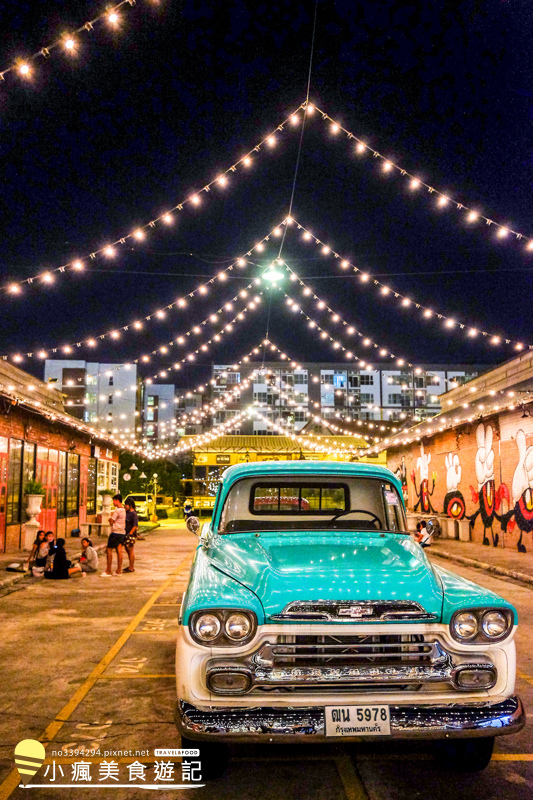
column 111, row 379
column 300, row 377
column 150, row 400
column 150, row 430
column 62, row 486
column 110, row 400
column 367, row 380
column 300, row 416
column 234, row 377
column 261, row 397
column 339, row 380
column 91, row 486
column 353, row 381
column 328, row 379
column 73, row 482
column 14, row 475
column 367, row 399
column 150, row 414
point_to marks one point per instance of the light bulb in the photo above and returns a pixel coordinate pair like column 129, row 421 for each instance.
column 361, row 147
column 503, row 232
column 168, row 219
column 69, row 44
column 14, row 288
column 271, row 141
column 472, row 216
column 109, row 251
column 195, row 199
column 415, row 183
column 222, row 180
column 24, row 69
column 387, row 166
column 113, row 18
column 335, row 128
column 78, row 264
column 139, row 234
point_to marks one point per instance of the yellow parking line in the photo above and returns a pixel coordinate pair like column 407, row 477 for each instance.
column 13, row 779
column 139, row 675
column 525, row 676
column 351, row 782
column 512, row 757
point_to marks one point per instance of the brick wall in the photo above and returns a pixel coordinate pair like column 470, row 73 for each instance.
column 502, row 446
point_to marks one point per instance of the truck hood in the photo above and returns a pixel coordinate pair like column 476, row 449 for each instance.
column 328, row 565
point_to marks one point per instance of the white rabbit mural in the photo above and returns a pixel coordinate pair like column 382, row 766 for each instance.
column 488, row 499
column 422, row 491
column 454, row 502
column 521, row 492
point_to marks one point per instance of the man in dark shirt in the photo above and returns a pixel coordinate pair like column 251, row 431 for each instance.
column 132, row 525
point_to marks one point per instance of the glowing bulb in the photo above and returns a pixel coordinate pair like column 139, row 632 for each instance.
column 47, row 277
column 385, row 290
column 109, row 251
column 138, row 325
column 503, row 232
column 115, row 335
column 277, row 232
column 387, row 166
column 325, row 250
column 344, row 264
column 415, row 183
column 495, row 340
column 449, row 323
column 91, row 342
column 203, row 290
column 24, row 69
column 271, row 141
column 442, row 201
column 139, row 234
column 472, row 332
column 247, row 161
column 113, row 18
column 294, row 119
column 428, row 312
column 160, row 314
column 361, row 147
column 406, row 301
column 69, row 44
column 472, row 217
column 14, row 288
column 222, row 181
column 222, row 276
column 335, row 128
column 310, row 108
column 77, row 264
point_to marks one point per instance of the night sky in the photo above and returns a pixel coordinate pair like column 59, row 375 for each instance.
column 142, row 117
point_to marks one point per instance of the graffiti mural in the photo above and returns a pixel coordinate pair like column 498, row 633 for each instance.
column 423, row 493
column 521, row 490
column 401, row 474
column 454, row 502
column 487, row 498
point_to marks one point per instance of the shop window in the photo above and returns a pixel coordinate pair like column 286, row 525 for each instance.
column 14, row 481
column 73, row 481
column 91, row 486
column 62, row 486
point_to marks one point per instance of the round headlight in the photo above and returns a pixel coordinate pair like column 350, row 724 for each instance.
column 238, row 626
column 465, row 625
column 207, row 627
column 494, row 624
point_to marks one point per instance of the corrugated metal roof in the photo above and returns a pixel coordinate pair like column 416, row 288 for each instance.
column 272, row 444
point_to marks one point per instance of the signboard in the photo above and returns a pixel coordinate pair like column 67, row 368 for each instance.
column 201, row 458
column 223, row 459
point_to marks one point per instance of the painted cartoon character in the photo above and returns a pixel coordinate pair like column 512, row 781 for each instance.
column 488, row 499
column 454, row 502
column 521, row 490
column 423, row 493
column 401, row 474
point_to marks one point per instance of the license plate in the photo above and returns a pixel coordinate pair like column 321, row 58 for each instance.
column 357, row 720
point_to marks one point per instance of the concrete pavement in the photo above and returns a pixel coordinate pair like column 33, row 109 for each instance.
column 90, row 664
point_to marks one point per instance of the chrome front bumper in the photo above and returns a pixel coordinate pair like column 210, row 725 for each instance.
column 297, row 724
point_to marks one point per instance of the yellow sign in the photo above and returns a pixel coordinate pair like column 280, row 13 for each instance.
column 29, row 756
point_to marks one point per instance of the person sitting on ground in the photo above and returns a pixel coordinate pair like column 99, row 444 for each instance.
column 422, row 535
column 50, row 539
column 132, row 526
column 39, row 551
column 187, row 509
column 60, row 567
column 117, row 537
column 88, row 559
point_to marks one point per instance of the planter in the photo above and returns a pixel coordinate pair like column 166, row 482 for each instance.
column 106, row 508
column 32, row 526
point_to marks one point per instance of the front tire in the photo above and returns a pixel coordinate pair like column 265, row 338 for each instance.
column 465, row 755
column 213, row 757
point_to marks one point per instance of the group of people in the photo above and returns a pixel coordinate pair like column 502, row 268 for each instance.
column 423, row 536
column 50, row 555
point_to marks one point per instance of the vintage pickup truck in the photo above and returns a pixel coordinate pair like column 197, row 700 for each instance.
column 311, row 615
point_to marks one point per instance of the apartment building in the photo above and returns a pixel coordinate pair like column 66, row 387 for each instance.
column 289, row 396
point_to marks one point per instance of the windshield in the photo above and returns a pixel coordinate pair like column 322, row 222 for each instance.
column 137, row 498
column 291, row 503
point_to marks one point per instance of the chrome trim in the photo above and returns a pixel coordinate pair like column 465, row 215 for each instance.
column 297, row 724
column 352, row 610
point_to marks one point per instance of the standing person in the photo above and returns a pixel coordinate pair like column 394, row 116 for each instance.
column 132, row 526
column 117, row 537
column 39, row 551
column 60, row 568
column 88, row 559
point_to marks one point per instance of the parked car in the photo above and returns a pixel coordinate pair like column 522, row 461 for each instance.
column 311, row 615
column 142, row 504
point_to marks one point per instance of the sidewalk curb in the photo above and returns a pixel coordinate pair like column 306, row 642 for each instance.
column 473, row 562
column 18, row 577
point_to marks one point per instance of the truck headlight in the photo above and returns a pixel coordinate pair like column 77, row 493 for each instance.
column 465, row 625
column 207, row 627
column 494, row 624
column 221, row 627
column 481, row 625
column 238, row 626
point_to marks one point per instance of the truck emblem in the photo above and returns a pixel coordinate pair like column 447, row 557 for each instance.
column 355, row 611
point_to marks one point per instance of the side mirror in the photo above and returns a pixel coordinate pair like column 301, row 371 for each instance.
column 193, row 525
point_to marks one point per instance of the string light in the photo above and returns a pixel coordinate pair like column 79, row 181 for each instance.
column 402, row 299
column 110, row 250
column 388, row 165
column 66, row 42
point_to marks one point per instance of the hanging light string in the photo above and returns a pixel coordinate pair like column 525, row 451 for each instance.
column 442, row 200
column 165, row 219
column 116, row 334
column 68, row 42
column 159, row 314
column 308, row 292
column 304, row 442
column 385, row 291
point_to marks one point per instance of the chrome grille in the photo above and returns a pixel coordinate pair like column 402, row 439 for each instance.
column 339, row 651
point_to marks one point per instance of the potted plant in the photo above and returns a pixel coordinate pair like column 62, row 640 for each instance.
column 34, row 492
column 106, row 495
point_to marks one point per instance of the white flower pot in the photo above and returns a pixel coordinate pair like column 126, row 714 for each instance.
column 32, row 526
